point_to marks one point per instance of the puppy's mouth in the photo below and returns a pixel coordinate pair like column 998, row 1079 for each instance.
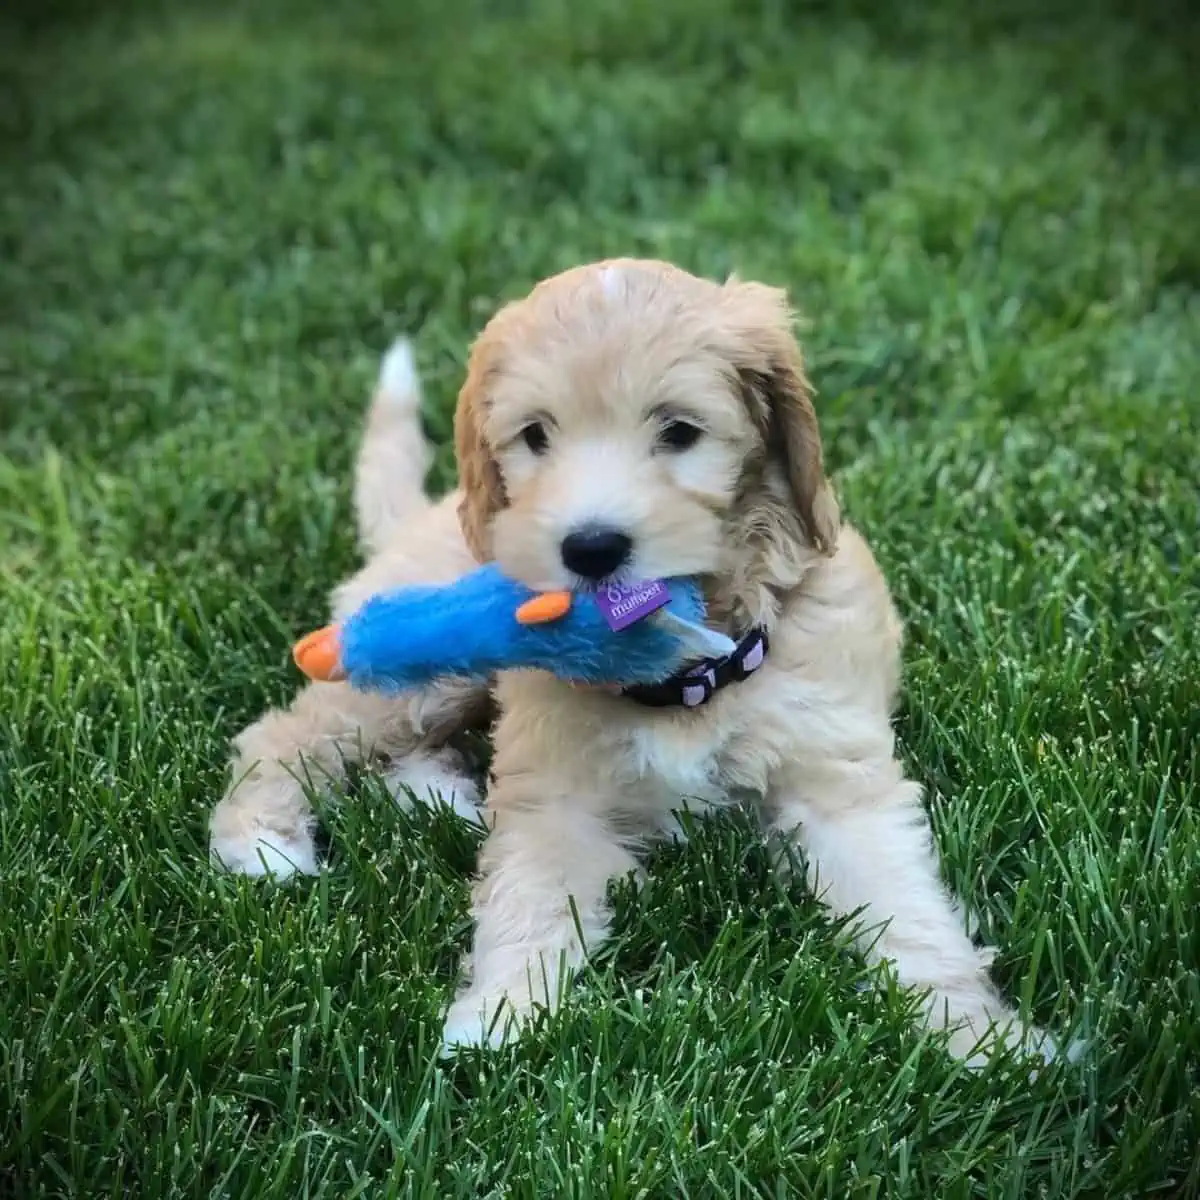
column 632, row 575
column 624, row 578
column 564, row 580
column 635, row 575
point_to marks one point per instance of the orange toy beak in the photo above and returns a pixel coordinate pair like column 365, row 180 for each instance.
column 319, row 655
column 543, row 609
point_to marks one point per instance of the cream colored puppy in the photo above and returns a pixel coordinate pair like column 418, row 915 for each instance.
column 630, row 421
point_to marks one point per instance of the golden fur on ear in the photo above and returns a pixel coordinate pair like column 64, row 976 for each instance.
column 478, row 472
column 777, row 390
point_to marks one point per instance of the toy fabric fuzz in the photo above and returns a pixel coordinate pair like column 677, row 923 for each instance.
column 486, row 622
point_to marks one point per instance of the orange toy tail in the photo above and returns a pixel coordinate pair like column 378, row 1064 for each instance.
column 319, row 655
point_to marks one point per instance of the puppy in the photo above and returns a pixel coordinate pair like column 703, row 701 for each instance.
column 628, row 421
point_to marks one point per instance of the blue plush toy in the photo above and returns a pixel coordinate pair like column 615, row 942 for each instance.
column 485, row 622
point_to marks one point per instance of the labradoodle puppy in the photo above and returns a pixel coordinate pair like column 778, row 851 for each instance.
column 630, row 421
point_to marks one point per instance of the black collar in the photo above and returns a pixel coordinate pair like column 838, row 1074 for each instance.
column 695, row 686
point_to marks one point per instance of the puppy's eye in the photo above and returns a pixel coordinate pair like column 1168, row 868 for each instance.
column 534, row 435
column 679, row 435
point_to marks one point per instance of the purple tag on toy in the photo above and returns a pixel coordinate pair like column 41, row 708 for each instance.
column 622, row 606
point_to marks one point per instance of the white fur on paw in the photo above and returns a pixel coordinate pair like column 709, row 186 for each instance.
column 432, row 781
column 265, row 853
column 399, row 381
column 1050, row 1049
column 478, row 1021
column 1033, row 1044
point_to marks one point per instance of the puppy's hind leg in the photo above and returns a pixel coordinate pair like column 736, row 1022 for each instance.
column 264, row 823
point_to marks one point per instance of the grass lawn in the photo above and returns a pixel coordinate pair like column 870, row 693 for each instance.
column 214, row 218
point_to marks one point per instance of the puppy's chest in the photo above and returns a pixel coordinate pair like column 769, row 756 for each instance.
column 690, row 759
column 676, row 763
column 646, row 759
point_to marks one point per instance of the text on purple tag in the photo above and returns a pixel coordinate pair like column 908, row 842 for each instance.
column 622, row 606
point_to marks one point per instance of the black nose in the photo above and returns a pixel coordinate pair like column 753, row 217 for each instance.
column 595, row 553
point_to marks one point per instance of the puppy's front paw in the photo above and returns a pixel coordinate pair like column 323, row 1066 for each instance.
column 480, row 1020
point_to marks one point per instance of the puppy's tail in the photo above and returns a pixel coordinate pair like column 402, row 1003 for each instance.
column 389, row 479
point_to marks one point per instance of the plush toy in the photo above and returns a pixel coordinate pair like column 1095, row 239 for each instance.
column 485, row 622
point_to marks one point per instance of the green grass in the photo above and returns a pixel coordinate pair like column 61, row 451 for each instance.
column 213, row 220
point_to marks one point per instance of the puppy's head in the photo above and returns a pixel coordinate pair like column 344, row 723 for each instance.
column 629, row 421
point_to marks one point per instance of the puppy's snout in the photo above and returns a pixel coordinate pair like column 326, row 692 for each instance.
column 596, row 552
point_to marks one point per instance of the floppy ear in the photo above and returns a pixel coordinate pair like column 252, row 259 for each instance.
column 777, row 391
column 478, row 472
